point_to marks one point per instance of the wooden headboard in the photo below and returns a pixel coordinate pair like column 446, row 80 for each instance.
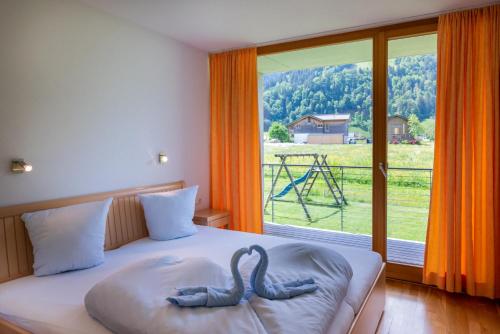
column 125, row 224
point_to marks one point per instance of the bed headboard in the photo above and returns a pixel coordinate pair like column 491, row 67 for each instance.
column 125, row 224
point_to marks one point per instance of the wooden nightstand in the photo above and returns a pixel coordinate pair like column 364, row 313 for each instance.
column 212, row 218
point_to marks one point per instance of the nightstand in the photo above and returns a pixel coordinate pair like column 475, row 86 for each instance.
column 212, row 218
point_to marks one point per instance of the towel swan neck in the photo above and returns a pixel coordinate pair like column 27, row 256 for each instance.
column 278, row 290
column 259, row 272
column 239, row 286
column 214, row 296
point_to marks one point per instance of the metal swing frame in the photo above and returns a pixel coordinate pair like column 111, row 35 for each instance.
column 319, row 166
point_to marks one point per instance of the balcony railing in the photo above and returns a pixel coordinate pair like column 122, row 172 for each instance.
column 408, row 195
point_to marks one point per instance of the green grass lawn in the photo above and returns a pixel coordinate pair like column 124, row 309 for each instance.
column 413, row 156
column 408, row 191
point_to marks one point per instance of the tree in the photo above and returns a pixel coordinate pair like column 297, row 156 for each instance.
column 267, row 124
column 341, row 89
column 429, row 126
column 414, row 126
column 279, row 131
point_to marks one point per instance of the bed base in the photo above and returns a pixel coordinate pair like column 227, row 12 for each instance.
column 372, row 309
column 9, row 328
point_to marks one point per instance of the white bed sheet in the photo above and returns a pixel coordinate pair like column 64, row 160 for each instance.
column 54, row 304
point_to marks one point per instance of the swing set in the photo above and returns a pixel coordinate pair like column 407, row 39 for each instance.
column 318, row 167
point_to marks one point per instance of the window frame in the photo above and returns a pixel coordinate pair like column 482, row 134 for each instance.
column 380, row 37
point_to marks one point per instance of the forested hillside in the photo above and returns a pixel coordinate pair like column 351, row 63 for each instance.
column 347, row 89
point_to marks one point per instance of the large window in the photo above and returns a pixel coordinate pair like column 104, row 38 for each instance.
column 326, row 183
column 411, row 110
column 364, row 178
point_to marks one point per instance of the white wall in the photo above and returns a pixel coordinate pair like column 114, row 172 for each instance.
column 90, row 100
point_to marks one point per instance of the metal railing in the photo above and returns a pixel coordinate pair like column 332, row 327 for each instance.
column 408, row 195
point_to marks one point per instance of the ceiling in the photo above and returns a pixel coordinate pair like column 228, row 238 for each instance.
column 214, row 25
column 338, row 54
column 344, row 53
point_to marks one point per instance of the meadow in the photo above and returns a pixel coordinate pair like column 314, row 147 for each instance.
column 399, row 155
column 408, row 189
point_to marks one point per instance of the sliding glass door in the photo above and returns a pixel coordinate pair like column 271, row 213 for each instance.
column 317, row 119
column 411, row 113
column 348, row 140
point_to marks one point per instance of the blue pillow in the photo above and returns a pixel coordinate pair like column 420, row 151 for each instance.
column 169, row 215
column 67, row 238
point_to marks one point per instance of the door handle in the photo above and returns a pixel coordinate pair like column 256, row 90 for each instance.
column 382, row 169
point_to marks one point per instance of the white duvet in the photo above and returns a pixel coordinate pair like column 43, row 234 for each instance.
column 133, row 299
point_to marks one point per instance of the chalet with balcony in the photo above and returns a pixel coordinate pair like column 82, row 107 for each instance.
column 397, row 129
column 320, row 129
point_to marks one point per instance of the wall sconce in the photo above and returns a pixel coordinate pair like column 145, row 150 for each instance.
column 162, row 158
column 20, row 166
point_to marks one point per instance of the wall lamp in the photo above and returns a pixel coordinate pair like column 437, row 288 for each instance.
column 162, row 158
column 20, row 166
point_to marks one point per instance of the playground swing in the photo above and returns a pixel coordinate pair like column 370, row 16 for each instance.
column 309, row 178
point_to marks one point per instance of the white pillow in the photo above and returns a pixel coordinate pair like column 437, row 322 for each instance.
column 67, row 238
column 169, row 215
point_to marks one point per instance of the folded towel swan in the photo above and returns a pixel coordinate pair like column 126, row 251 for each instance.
column 138, row 291
column 216, row 297
column 277, row 290
column 212, row 296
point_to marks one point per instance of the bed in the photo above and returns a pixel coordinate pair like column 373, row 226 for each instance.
column 54, row 304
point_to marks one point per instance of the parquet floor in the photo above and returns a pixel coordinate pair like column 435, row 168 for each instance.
column 412, row 308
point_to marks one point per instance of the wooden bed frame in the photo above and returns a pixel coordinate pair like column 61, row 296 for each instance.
column 372, row 309
column 126, row 223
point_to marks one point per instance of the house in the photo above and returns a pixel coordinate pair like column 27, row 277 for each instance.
column 320, row 129
column 397, row 128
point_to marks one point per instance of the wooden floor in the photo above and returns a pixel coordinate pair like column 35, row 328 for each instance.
column 416, row 309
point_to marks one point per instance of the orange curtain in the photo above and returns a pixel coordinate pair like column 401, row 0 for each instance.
column 236, row 183
column 463, row 236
